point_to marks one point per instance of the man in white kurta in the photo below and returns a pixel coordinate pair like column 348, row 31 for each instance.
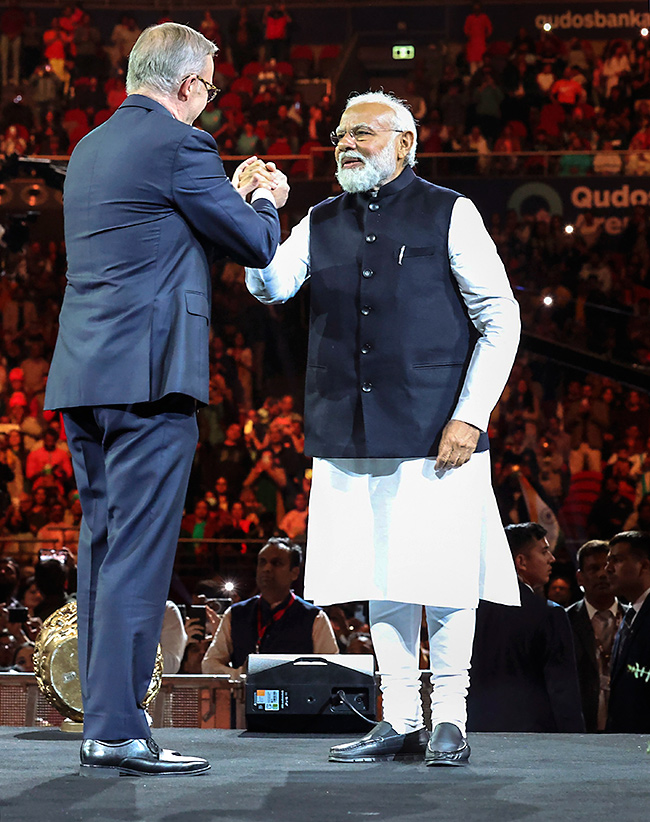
column 409, row 530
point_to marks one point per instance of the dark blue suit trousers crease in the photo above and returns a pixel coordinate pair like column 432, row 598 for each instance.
column 132, row 465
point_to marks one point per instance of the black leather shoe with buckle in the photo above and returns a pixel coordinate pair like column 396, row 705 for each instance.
column 382, row 744
column 447, row 746
column 136, row 757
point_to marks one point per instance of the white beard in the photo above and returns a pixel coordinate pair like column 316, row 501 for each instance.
column 375, row 170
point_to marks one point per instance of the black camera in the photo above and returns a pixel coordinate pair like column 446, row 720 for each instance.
column 19, row 614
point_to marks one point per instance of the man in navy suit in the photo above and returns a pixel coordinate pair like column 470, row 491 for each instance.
column 147, row 205
column 628, row 564
column 594, row 621
column 523, row 677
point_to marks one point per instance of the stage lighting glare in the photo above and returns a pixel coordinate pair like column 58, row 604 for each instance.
column 547, row 26
column 548, row 300
column 644, row 32
column 568, row 229
column 229, row 586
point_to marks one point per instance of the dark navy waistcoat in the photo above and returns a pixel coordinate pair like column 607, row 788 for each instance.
column 390, row 339
column 290, row 635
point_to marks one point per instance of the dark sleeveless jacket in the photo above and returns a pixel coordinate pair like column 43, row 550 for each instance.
column 390, row 339
column 290, row 635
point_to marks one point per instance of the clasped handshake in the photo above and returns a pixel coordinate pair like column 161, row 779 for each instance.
column 254, row 174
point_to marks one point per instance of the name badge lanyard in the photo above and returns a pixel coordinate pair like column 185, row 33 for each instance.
column 276, row 617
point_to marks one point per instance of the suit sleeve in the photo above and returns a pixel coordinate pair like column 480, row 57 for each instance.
column 250, row 234
column 561, row 673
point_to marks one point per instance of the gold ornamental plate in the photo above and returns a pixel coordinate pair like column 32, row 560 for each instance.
column 56, row 664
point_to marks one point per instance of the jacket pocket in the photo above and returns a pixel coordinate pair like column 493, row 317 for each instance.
column 426, row 251
column 197, row 303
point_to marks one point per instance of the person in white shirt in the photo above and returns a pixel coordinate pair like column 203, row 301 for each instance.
column 594, row 621
column 414, row 329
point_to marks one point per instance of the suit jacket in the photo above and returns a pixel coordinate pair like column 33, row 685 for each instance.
column 523, row 676
column 629, row 695
column 146, row 206
column 584, row 641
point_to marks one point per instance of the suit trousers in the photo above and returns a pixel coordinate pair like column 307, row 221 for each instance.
column 132, row 466
column 395, row 629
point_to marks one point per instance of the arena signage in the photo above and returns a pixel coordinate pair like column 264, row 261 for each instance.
column 610, row 200
column 573, row 20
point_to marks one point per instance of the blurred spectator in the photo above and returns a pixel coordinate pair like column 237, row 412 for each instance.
column 244, row 39
column 123, row 38
column 277, row 23
column 49, row 459
column 9, row 577
column 477, row 29
column 560, row 591
column 610, row 511
column 294, row 522
column 209, row 28
column 586, row 419
column 200, row 526
column 51, row 577
column 12, row 25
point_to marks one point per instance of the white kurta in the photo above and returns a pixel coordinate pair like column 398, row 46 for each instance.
column 396, row 529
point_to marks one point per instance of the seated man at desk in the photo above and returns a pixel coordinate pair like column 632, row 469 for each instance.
column 276, row 621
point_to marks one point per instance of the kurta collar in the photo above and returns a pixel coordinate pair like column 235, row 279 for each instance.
column 398, row 184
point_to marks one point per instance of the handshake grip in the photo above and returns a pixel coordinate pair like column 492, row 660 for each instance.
column 254, row 174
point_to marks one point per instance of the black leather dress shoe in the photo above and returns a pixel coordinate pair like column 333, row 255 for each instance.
column 382, row 744
column 136, row 757
column 447, row 746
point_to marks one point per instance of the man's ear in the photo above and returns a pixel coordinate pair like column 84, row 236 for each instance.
column 520, row 563
column 184, row 88
column 295, row 573
column 405, row 144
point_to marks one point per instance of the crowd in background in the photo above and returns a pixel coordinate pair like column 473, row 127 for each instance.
column 536, row 93
column 581, row 442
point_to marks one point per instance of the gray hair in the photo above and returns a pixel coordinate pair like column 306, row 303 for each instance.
column 402, row 119
column 164, row 55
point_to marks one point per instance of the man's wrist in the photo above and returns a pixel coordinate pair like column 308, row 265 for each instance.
column 262, row 193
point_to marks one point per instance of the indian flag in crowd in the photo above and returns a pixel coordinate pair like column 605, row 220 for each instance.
column 540, row 511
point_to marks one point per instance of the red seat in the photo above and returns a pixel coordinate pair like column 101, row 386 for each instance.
column 518, row 128
column 226, row 69
column 302, row 53
column 284, row 69
column 230, row 100
column 252, row 69
column 243, row 85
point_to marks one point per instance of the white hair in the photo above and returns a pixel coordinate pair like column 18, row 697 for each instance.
column 402, row 119
column 164, row 55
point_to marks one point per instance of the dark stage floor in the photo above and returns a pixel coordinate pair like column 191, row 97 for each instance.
column 260, row 777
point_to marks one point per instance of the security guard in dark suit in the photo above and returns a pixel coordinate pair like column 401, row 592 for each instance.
column 628, row 565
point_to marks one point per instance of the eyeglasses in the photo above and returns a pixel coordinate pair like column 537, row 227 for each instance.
column 211, row 89
column 359, row 134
